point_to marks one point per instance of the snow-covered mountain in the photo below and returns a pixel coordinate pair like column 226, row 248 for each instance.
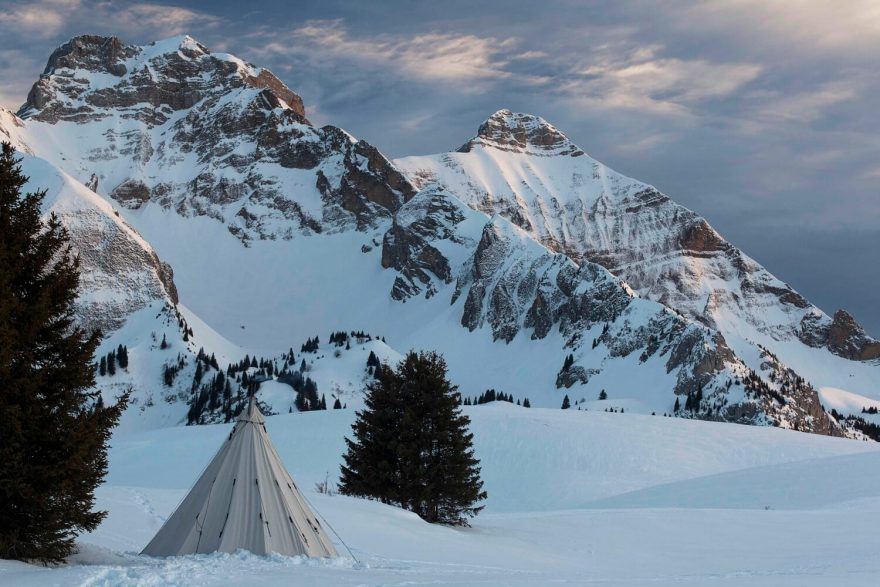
column 522, row 168
column 279, row 231
column 205, row 134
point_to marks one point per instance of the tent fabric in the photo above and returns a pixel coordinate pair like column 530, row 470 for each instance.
column 245, row 499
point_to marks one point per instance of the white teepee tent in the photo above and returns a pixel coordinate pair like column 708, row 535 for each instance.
column 245, row 499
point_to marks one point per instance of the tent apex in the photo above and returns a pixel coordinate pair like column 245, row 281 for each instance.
column 251, row 413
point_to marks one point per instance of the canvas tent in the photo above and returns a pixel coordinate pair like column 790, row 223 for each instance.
column 244, row 499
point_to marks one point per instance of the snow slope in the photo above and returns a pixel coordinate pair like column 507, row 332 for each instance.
column 542, row 524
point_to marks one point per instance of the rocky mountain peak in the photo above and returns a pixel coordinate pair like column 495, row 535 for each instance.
column 89, row 74
column 91, row 53
column 521, row 133
column 848, row 339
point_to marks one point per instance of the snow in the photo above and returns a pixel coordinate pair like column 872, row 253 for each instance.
column 574, row 498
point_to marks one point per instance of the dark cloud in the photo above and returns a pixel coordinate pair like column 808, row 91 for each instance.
column 759, row 115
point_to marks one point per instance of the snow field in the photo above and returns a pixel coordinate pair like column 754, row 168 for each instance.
column 577, row 498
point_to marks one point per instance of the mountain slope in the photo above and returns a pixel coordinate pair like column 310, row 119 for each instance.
column 522, row 168
column 279, row 232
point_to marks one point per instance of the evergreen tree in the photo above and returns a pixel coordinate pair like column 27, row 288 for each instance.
column 603, row 395
column 566, row 403
column 371, row 466
column 111, row 363
column 337, row 405
column 53, row 432
column 677, row 405
column 412, row 445
column 164, row 344
column 103, row 368
column 526, row 403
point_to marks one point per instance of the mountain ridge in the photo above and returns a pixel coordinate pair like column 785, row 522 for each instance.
column 575, row 205
column 319, row 231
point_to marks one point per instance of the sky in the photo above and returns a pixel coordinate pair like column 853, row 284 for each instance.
column 761, row 116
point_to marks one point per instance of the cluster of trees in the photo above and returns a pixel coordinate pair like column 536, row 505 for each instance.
column 306, row 391
column 869, row 429
column 222, row 396
column 692, row 403
column 569, row 361
column 311, row 345
column 214, row 395
column 411, row 445
column 756, row 387
column 170, row 370
column 871, row 410
column 118, row 356
column 54, row 427
column 604, row 332
column 490, row 395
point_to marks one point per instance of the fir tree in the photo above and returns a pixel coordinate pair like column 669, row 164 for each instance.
column 111, row 363
column 603, row 395
column 164, row 344
column 103, row 368
column 526, row 403
column 566, row 403
column 53, row 432
column 412, row 445
column 337, row 405
column 371, row 466
column 122, row 356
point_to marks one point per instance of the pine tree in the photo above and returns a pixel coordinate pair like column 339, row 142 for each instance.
column 677, row 405
column 337, row 405
column 53, row 432
column 566, row 403
column 103, row 368
column 412, row 445
column 164, row 344
column 526, row 403
column 603, row 395
column 371, row 466
column 111, row 363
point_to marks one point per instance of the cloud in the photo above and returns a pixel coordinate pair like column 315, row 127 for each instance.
column 41, row 18
column 813, row 25
column 159, row 20
column 49, row 18
column 645, row 80
column 428, row 56
column 806, row 106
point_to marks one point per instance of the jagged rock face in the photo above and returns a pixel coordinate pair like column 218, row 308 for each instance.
column 119, row 272
column 847, row 338
column 154, row 80
column 504, row 281
column 522, row 168
column 205, row 134
column 521, row 133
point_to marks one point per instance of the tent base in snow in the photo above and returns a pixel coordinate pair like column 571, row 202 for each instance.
column 245, row 499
